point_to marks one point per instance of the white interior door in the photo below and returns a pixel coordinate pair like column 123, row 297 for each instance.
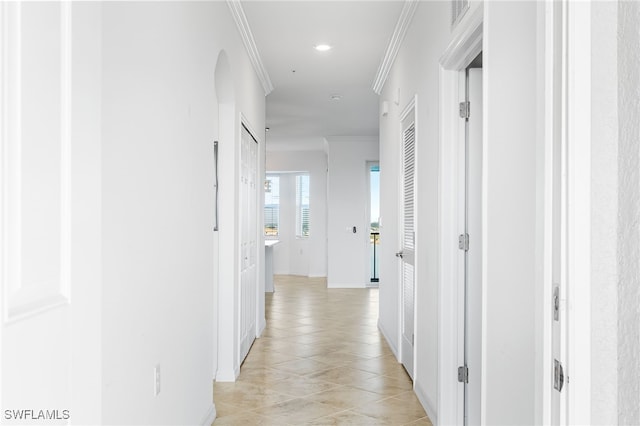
column 407, row 249
column 48, row 189
column 248, row 231
column 473, row 252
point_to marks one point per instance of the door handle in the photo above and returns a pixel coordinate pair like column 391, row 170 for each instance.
column 400, row 254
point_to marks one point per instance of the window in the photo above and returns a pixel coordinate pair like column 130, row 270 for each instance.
column 302, row 206
column 271, row 206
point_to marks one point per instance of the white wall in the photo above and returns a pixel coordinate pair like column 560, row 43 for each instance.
column 628, row 201
column 508, row 211
column 604, row 195
column 296, row 256
column 388, row 316
column 509, row 63
column 114, row 236
column 157, row 192
column 348, row 198
column 415, row 71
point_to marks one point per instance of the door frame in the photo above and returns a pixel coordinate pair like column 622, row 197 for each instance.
column 244, row 122
column 552, row 112
column 578, row 200
column 567, row 103
column 411, row 107
column 575, row 53
column 367, row 239
column 260, row 262
column 462, row 49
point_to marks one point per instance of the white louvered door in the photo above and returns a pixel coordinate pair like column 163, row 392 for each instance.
column 407, row 251
column 249, row 270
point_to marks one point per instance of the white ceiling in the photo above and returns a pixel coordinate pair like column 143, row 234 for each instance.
column 300, row 105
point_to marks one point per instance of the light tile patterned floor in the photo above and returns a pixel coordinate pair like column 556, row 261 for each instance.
column 320, row 361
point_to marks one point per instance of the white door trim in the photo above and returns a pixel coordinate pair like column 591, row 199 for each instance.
column 462, row 49
column 544, row 239
column 567, row 29
column 260, row 179
column 410, row 111
column 578, row 136
column 259, row 249
column 550, row 117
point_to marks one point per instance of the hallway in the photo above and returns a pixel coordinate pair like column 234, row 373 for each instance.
column 139, row 141
column 321, row 360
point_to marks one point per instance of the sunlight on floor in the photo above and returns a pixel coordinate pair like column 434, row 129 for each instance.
column 320, row 361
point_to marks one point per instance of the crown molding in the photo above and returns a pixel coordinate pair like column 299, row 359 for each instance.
column 408, row 10
column 250, row 45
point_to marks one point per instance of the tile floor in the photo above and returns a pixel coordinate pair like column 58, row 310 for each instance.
column 320, row 361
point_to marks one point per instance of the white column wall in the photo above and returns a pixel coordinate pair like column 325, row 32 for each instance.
column 509, row 213
column 347, row 207
column 389, row 284
column 629, row 204
column 604, row 207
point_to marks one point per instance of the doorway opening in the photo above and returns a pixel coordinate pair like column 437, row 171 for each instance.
column 373, row 175
column 470, row 242
column 463, row 51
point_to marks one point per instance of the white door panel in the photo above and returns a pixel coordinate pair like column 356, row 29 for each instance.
column 407, row 250
column 248, row 242
column 49, row 234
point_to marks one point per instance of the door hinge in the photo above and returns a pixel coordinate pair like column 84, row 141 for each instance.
column 558, row 375
column 463, row 374
column 463, row 242
column 465, row 109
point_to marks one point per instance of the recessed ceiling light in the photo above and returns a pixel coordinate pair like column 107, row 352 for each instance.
column 322, row 47
column 336, row 97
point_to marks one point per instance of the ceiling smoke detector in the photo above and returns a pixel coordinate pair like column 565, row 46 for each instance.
column 335, row 97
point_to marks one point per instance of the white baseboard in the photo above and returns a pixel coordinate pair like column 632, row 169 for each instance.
column 427, row 404
column 261, row 327
column 322, row 275
column 208, row 418
column 345, row 285
column 227, row 375
column 393, row 347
